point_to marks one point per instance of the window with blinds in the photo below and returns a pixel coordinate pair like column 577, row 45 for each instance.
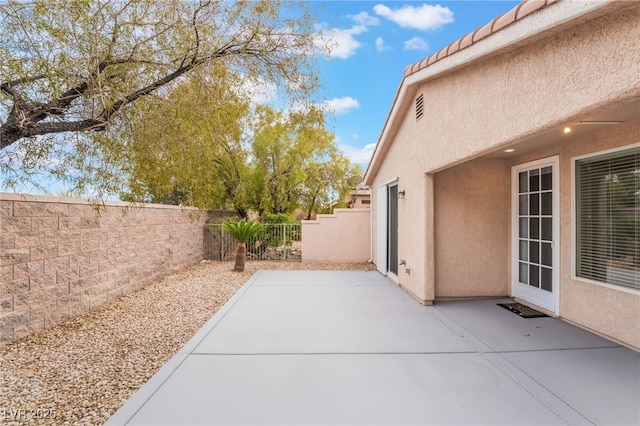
column 608, row 218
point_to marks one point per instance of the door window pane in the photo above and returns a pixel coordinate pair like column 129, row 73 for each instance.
column 534, row 228
column 534, row 180
column 524, row 227
column 522, row 182
column 547, row 254
column 534, row 204
column 534, row 251
column 546, row 178
column 524, row 250
column 522, row 276
column 545, row 279
column 547, row 228
column 534, row 276
column 523, row 209
column 547, row 204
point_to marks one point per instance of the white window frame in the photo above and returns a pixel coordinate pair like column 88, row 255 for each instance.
column 574, row 221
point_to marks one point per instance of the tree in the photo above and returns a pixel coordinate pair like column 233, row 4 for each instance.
column 242, row 231
column 328, row 181
column 206, row 146
column 191, row 144
column 290, row 151
column 79, row 66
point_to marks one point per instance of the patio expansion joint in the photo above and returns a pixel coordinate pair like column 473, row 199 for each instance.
column 322, row 285
column 485, row 350
column 527, row 388
column 557, row 349
column 330, row 353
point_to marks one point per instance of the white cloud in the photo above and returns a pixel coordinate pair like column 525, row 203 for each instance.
column 416, row 43
column 380, row 46
column 341, row 105
column 342, row 42
column 363, row 18
column 425, row 17
column 358, row 155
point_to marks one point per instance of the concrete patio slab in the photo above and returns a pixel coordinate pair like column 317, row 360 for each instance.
column 352, row 389
column 329, row 347
column 603, row 383
column 503, row 330
column 329, row 319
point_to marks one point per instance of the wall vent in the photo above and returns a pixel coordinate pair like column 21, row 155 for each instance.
column 419, row 107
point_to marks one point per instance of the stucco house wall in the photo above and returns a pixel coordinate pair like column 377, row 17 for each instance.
column 533, row 88
column 517, row 89
column 472, row 229
column 400, row 167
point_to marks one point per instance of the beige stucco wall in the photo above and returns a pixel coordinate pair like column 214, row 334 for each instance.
column 362, row 201
column 472, row 230
column 341, row 237
column 510, row 97
column 519, row 93
column 412, row 219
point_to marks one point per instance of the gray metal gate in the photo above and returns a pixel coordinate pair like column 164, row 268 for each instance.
column 277, row 242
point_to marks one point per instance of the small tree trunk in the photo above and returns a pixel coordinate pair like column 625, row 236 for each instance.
column 241, row 257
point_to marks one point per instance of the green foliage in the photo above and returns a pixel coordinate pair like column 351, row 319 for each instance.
column 199, row 151
column 276, row 231
column 242, row 230
column 70, row 68
column 295, row 161
column 277, row 218
column 216, row 153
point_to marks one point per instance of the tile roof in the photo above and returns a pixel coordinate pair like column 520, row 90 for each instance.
column 520, row 11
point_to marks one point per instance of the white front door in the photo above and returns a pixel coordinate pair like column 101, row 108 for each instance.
column 535, row 248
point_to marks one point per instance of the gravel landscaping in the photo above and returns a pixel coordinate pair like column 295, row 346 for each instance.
column 81, row 372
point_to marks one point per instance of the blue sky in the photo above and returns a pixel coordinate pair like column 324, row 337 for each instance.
column 374, row 42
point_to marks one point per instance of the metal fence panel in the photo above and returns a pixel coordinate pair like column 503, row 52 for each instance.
column 277, row 242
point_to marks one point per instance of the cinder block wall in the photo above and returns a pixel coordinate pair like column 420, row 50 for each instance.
column 60, row 259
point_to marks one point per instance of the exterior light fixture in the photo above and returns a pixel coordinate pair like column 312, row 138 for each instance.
column 401, row 194
column 510, row 150
column 566, row 130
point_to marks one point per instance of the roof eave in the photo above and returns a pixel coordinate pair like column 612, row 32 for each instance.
column 506, row 35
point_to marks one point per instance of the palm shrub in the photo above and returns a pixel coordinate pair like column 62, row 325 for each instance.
column 242, row 231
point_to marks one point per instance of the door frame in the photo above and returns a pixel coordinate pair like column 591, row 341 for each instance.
column 382, row 227
column 523, row 291
column 392, row 245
